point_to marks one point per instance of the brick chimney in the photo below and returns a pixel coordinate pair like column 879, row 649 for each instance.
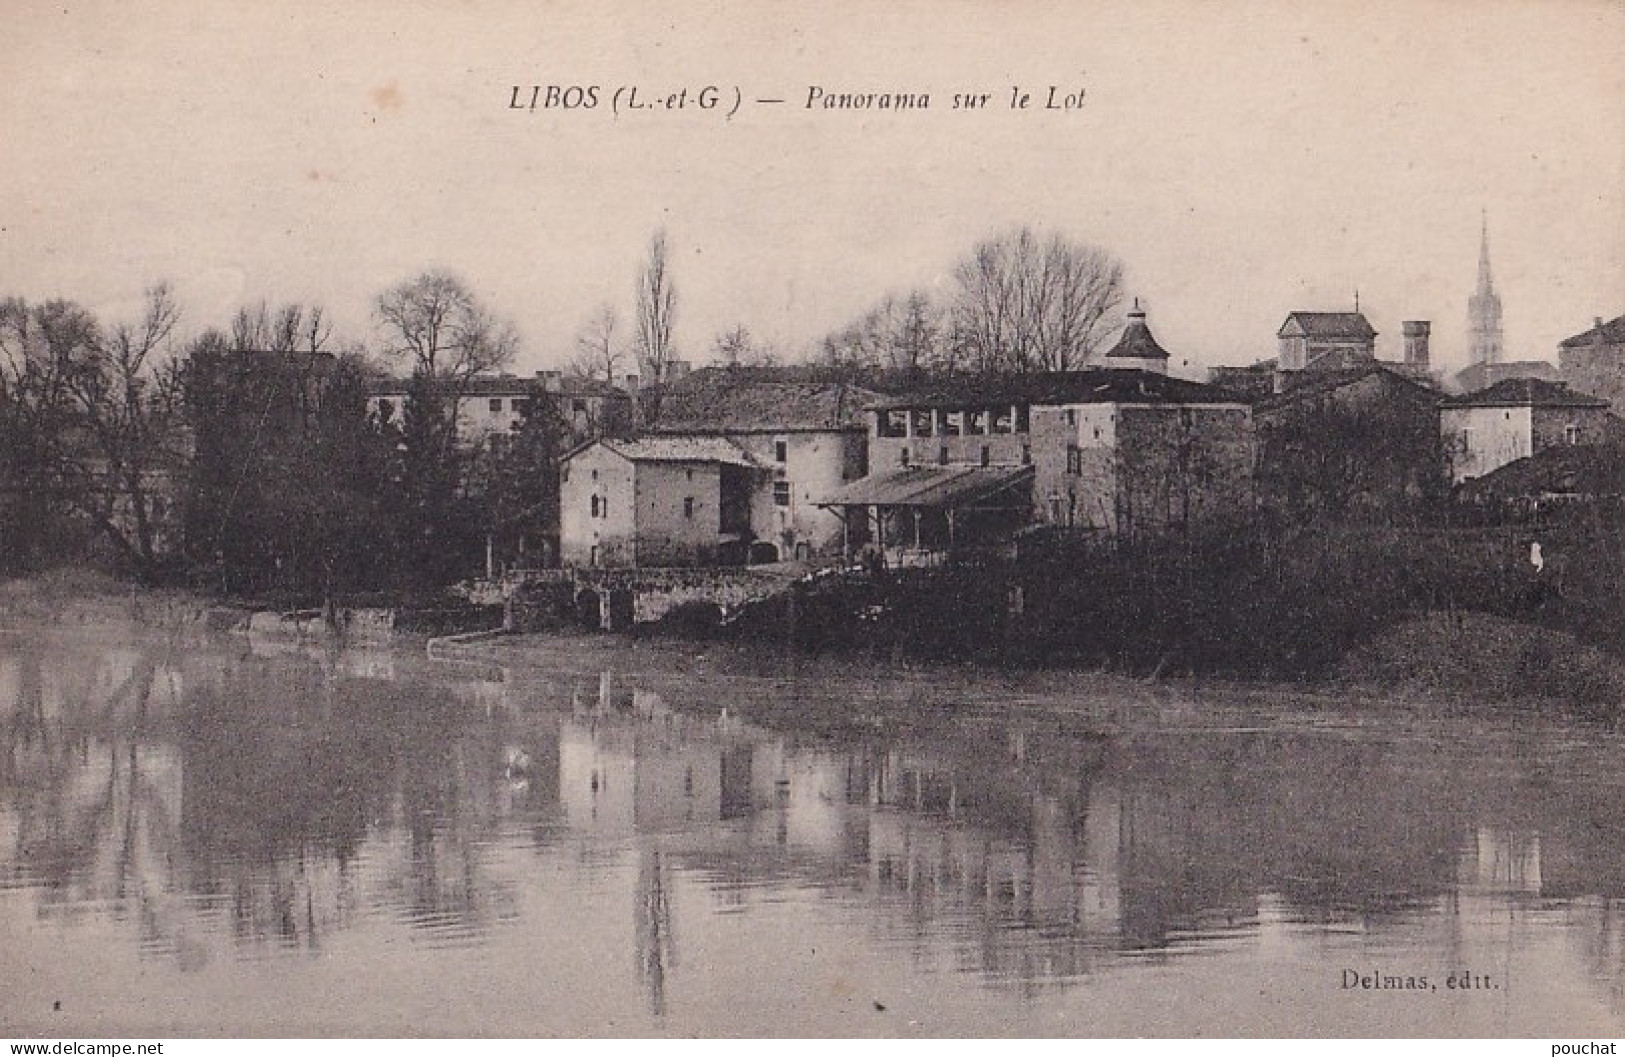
column 1416, row 341
column 552, row 381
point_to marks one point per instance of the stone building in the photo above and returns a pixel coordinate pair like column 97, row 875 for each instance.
column 662, row 501
column 1514, row 419
column 1114, row 451
column 1593, row 361
column 811, row 435
column 1340, row 442
column 492, row 405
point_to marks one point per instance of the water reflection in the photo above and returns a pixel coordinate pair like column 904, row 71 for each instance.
column 209, row 804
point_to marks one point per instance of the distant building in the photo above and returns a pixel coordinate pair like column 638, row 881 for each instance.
column 1310, row 341
column 491, row 405
column 1115, row 451
column 1593, row 361
column 1476, row 376
column 1514, row 419
column 811, row 435
column 1484, row 343
column 1365, row 438
column 662, row 501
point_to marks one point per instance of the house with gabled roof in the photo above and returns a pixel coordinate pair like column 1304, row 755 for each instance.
column 1325, row 340
column 1358, row 438
column 1514, row 419
column 661, row 501
column 1593, row 361
column 811, row 436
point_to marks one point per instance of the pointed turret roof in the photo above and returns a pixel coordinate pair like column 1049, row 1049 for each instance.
column 1137, row 341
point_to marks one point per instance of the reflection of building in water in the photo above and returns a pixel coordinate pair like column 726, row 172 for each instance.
column 1497, row 860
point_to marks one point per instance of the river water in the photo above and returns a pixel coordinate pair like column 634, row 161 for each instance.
column 232, row 837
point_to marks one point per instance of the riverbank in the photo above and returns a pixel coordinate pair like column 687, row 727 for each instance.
column 1441, row 660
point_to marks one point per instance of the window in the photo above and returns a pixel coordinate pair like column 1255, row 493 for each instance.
column 496, row 406
column 1026, row 454
column 920, row 422
column 781, row 493
column 1466, row 441
column 987, row 455
column 892, row 423
column 902, row 456
column 688, row 506
column 1072, row 416
column 953, row 423
column 386, row 410
column 1023, row 415
column 1074, row 459
column 1004, row 420
column 690, row 474
column 1571, row 434
column 595, row 506
column 942, row 456
column 976, row 423
column 781, row 450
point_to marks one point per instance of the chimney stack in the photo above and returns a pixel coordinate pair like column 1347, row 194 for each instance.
column 552, row 381
column 1416, row 341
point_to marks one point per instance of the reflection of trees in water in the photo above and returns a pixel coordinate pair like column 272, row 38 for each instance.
column 242, row 805
column 94, row 798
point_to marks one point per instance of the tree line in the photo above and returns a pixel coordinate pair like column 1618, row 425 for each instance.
column 242, row 458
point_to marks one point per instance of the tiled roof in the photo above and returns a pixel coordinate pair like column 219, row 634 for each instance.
column 1310, row 385
column 683, row 449
column 1525, row 392
column 713, row 401
column 1137, row 341
column 503, row 385
column 1610, row 333
column 1564, row 469
column 928, row 486
column 1330, row 325
column 1101, row 386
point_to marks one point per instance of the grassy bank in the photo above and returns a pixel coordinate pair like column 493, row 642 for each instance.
column 1294, row 605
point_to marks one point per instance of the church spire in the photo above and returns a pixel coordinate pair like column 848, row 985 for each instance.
column 1484, row 307
column 1485, row 284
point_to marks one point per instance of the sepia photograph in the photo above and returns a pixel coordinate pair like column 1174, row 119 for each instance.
column 565, row 519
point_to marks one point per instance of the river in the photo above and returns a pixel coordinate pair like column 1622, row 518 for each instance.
column 238, row 837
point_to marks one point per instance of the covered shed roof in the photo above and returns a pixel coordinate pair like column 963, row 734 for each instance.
column 940, row 487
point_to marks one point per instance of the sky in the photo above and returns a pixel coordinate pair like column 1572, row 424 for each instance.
column 1244, row 159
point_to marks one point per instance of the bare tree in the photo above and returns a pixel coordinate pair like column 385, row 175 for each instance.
column 1030, row 303
column 739, row 348
column 657, row 311
column 290, row 328
column 599, row 350
column 448, row 337
column 96, row 415
column 436, row 324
